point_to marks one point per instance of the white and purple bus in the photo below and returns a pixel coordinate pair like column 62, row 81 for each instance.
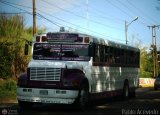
column 69, row 68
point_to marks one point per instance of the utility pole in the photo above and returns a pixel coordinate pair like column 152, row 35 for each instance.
column 126, row 29
column 87, row 15
column 34, row 18
column 154, row 49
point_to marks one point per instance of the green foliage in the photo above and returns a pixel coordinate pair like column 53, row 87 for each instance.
column 39, row 30
column 9, row 85
column 7, row 89
column 13, row 36
column 11, row 45
column 4, row 69
column 145, row 74
column 146, row 63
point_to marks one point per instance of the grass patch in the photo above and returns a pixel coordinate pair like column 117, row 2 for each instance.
column 7, row 89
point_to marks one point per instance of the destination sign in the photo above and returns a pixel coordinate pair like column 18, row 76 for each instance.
column 62, row 37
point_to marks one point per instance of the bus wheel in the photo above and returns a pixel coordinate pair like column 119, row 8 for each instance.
column 125, row 94
column 25, row 105
column 132, row 94
column 83, row 98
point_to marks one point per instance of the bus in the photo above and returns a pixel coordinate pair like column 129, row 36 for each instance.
column 74, row 68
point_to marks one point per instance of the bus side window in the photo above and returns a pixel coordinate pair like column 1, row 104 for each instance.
column 102, row 53
column 132, row 57
column 97, row 54
column 122, row 57
column 117, row 56
column 137, row 56
column 127, row 57
column 109, row 55
column 112, row 55
column 107, row 50
column 91, row 50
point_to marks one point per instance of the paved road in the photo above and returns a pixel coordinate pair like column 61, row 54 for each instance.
column 147, row 101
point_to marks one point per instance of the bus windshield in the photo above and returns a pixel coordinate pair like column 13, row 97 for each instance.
column 48, row 51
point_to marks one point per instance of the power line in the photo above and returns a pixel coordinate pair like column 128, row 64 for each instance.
column 104, row 16
column 107, row 1
column 125, row 6
column 67, row 22
column 84, row 28
column 105, row 25
column 55, row 23
column 10, row 4
column 97, row 13
column 121, row 9
column 40, row 15
column 139, row 10
column 16, row 4
column 128, row 9
column 101, row 13
column 75, row 25
column 14, row 13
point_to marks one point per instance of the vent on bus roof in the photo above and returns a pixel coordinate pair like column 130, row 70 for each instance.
column 62, row 29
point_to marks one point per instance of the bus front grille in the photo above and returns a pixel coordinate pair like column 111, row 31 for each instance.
column 45, row 74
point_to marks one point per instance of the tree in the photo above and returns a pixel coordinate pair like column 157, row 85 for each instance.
column 13, row 36
column 11, row 43
column 146, row 60
column 146, row 63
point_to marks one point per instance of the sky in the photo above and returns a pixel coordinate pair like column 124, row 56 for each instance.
column 100, row 18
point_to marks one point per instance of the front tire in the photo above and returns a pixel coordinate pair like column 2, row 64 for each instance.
column 155, row 88
column 132, row 94
column 83, row 98
column 125, row 94
column 25, row 105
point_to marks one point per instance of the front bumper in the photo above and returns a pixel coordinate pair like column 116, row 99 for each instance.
column 46, row 95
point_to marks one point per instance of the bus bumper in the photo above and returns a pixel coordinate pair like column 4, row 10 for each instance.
column 46, row 95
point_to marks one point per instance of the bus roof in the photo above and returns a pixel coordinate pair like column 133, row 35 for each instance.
column 101, row 41
column 111, row 43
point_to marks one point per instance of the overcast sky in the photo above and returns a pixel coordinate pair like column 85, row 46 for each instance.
column 102, row 18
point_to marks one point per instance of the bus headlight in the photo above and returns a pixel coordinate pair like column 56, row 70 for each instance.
column 68, row 82
column 72, row 77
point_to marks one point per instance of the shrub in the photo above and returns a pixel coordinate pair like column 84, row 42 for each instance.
column 7, row 89
column 145, row 74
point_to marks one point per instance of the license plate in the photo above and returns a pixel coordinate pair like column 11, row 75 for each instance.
column 43, row 92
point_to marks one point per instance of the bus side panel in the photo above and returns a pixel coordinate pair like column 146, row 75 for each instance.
column 112, row 78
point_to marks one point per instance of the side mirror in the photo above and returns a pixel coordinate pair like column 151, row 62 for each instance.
column 26, row 47
column 91, row 50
